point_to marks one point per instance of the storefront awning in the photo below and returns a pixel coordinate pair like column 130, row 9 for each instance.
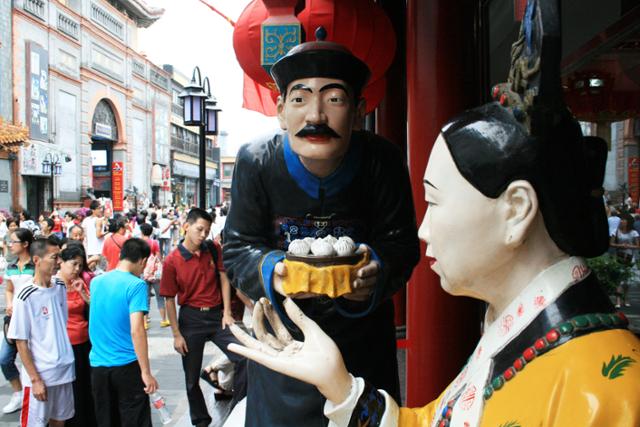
column 190, row 170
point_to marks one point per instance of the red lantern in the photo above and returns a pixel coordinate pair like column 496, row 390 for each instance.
column 360, row 25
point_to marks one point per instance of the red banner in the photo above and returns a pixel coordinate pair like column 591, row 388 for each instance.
column 519, row 7
column 117, row 186
column 633, row 169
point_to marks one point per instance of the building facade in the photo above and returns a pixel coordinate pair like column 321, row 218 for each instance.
column 6, row 111
column 93, row 105
column 184, row 150
column 227, row 165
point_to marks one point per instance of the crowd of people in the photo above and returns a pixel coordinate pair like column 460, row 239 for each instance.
column 78, row 292
column 624, row 244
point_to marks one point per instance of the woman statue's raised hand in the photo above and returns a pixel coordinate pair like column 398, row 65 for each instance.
column 316, row 360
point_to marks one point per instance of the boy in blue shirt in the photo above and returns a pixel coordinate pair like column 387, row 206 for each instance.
column 120, row 372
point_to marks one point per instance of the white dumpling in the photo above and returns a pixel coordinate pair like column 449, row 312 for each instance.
column 347, row 239
column 330, row 239
column 309, row 241
column 321, row 248
column 344, row 247
column 299, row 247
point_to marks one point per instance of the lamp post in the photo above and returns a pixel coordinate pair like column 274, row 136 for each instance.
column 200, row 109
column 51, row 165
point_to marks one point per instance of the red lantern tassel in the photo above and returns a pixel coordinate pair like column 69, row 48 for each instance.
column 233, row 24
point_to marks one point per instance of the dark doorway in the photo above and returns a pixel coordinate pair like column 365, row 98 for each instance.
column 104, row 133
column 37, row 189
column 101, row 158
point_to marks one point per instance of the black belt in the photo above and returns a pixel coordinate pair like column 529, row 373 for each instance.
column 204, row 309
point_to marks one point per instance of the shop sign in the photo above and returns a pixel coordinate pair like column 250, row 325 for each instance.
column 37, row 91
column 34, row 155
column 100, row 129
column 166, row 178
column 117, row 186
column 190, row 170
column 4, row 186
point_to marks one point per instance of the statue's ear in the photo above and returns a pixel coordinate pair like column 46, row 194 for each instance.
column 520, row 207
column 361, row 112
column 280, row 111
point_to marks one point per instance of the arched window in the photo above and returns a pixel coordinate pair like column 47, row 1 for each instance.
column 104, row 125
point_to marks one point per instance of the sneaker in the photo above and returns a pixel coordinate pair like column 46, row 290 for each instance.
column 165, row 323
column 14, row 404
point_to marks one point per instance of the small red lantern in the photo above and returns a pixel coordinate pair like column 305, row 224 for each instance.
column 360, row 25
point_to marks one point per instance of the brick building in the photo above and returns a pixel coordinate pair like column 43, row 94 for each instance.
column 88, row 98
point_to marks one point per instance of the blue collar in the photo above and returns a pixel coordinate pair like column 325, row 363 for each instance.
column 331, row 184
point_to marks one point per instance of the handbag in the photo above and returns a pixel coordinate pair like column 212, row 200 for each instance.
column 623, row 257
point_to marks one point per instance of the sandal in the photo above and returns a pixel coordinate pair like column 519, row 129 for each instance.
column 219, row 393
column 205, row 375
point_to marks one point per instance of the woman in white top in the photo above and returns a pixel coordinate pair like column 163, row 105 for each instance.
column 625, row 242
column 94, row 229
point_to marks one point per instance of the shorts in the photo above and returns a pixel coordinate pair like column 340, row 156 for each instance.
column 58, row 406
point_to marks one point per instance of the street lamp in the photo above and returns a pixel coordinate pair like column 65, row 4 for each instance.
column 193, row 96
column 52, row 165
column 200, row 110
column 210, row 110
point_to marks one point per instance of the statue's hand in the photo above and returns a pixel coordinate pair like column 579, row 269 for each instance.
column 316, row 360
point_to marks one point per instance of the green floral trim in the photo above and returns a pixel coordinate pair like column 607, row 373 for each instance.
column 616, row 366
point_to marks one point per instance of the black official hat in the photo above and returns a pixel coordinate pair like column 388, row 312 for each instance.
column 320, row 58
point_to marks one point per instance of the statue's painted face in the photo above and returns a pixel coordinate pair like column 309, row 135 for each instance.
column 319, row 114
column 461, row 227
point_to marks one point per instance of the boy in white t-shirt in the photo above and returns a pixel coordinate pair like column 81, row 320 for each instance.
column 38, row 325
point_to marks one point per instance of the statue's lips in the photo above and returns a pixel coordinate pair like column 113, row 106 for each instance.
column 431, row 261
column 317, row 139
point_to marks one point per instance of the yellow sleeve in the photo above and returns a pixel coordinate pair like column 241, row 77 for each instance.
column 418, row 417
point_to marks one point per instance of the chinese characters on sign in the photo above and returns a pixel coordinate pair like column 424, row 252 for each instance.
column 37, row 91
column 117, row 186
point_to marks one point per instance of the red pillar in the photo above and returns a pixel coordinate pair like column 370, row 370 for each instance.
column 391, row 115
column 441, row 330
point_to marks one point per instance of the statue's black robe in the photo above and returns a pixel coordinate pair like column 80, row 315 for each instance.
column 274, row 200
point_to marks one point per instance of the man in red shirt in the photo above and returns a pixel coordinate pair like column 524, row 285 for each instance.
column 204, row 296
column 114, row 241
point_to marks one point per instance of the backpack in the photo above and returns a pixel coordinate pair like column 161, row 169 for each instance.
column 211, row 247
column 153, row 269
